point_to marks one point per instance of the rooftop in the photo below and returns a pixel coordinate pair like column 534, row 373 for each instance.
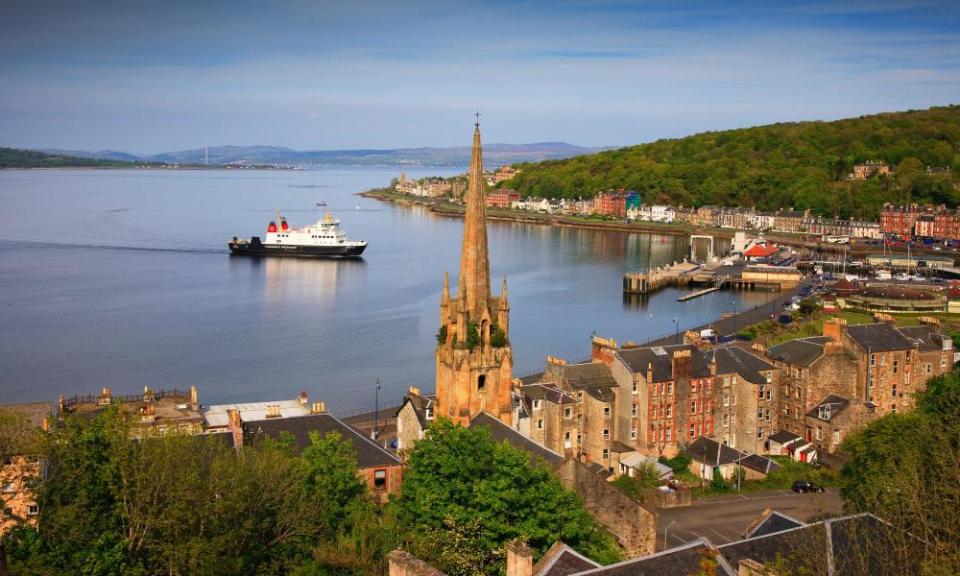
column 801, row 351
column 733, row 360
column 500, row 432
column 879, row 337
column 369, row 454
column 660, row 360
column 216, row 415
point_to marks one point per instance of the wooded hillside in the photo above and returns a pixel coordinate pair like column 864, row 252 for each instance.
column 800, row 164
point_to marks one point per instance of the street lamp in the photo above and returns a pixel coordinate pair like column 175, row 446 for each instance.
column 665, row 528
column 676, row 329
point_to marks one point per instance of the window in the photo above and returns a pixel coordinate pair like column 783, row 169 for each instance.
column 33, row 510
column 726, row 397
column 693, row 430
column 759, row 433
column 693, row 407
column 634, row 387
column 818, row 433
column 766, row 415
column 893, row 408
column 836, row 437
column 769, row 376
column 929, row 368
column 606, row 412
column 633, row 433
column 670, row 388
column 893, row 391
column 568, row 413
column 566, row 440
column 669, row 410
column 379, row 479
column 693, row 386
column 481, row 381
column 873, row 360
column 726, row 439
column 540, row 424
column 669, row 434
column 536, row 404
column 726, row 420
column 896, row 364
column 633, row 410
column 606, row 453
column 606, row 433
column 769, row 394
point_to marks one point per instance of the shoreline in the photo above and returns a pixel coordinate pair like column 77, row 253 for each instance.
column 450, row 210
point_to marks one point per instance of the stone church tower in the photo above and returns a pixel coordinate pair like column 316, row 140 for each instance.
column 474, row 360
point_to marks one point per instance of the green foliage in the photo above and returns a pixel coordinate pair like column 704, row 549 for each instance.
column 459, row 483
column 498, row 338
column 801, row 164
column 442, row 335
column 191, row 505
column 903, row 467
column 473, row 335
column 678, row 463
column 637, row 487
column 15, row 158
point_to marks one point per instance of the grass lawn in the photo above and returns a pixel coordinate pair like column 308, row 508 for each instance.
column 782, row 479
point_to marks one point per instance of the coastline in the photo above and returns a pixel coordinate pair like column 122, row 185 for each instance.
column 451, row 210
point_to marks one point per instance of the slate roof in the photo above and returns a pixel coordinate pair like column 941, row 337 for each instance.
column 594, row 378
column 660, row 358
column 500, row 432
column 800, row 351
column 419, row 404
column 879, row 337
column 732, row 360
column 547, row 391
column 759, row 463
column 784, row 436
column 707, row 450
column 368, row 453
column 836, row 404
column 681, row 560
column 562, row 560
column 927, row 337
column 771, row 522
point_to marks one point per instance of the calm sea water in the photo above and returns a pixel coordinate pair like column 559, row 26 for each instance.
column 121, row 278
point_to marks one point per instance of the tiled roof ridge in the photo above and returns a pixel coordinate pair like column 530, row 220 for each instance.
column 698, row 541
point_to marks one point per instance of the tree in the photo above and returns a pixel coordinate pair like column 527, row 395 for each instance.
column 459, row 483
column 905, row 468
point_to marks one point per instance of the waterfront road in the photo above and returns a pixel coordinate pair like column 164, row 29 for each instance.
column 723, row 519
column 729, row 326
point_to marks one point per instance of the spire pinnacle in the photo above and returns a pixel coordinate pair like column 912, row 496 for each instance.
column 477, row 116
column 474, row 258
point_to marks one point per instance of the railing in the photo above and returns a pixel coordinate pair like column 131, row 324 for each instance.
column 93, row 399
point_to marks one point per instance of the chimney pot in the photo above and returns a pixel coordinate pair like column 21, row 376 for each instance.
column 318, row 407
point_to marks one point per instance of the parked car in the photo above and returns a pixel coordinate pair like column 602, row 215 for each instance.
column 803, row 486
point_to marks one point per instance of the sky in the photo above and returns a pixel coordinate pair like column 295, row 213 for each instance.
column 150, row 76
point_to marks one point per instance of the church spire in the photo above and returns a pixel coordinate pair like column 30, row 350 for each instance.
column 474, row 259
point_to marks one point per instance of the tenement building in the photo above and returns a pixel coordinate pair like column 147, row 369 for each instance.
column 473, row 360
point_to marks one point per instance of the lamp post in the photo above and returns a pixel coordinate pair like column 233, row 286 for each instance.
column 665, row 528
column 376, row 412
column 676, row 329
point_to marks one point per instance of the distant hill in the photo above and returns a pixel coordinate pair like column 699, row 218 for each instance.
column 99, row 155
column 14, row 158
column 494, row 155
column 801, row 164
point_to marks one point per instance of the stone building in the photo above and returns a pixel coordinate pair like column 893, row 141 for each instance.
column 667, row 395
column 152, row 413
column 413, row 417
column 791, row 220
column 473, row 358
column 833, row 418
column 380, row 470
column 553, row 421
column 746, row 398
column 19, row 470
column 812, row 369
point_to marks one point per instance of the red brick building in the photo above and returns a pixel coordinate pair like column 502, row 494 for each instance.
column 502, row 198
column 898, row 220
column 611, row 203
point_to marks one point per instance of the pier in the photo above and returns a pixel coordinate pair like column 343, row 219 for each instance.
column 714, row 276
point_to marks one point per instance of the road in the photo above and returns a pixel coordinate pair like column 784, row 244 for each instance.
column 723, row 519
column 729, row 326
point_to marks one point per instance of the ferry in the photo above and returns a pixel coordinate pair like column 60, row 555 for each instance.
column 324, row 239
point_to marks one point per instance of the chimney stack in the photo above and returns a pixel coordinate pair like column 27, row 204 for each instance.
column 194, row 399
column 273, row 411
column 318, row 407
column 303, row 398
column 235, row 426
column 519, row 559
column 105, row 398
